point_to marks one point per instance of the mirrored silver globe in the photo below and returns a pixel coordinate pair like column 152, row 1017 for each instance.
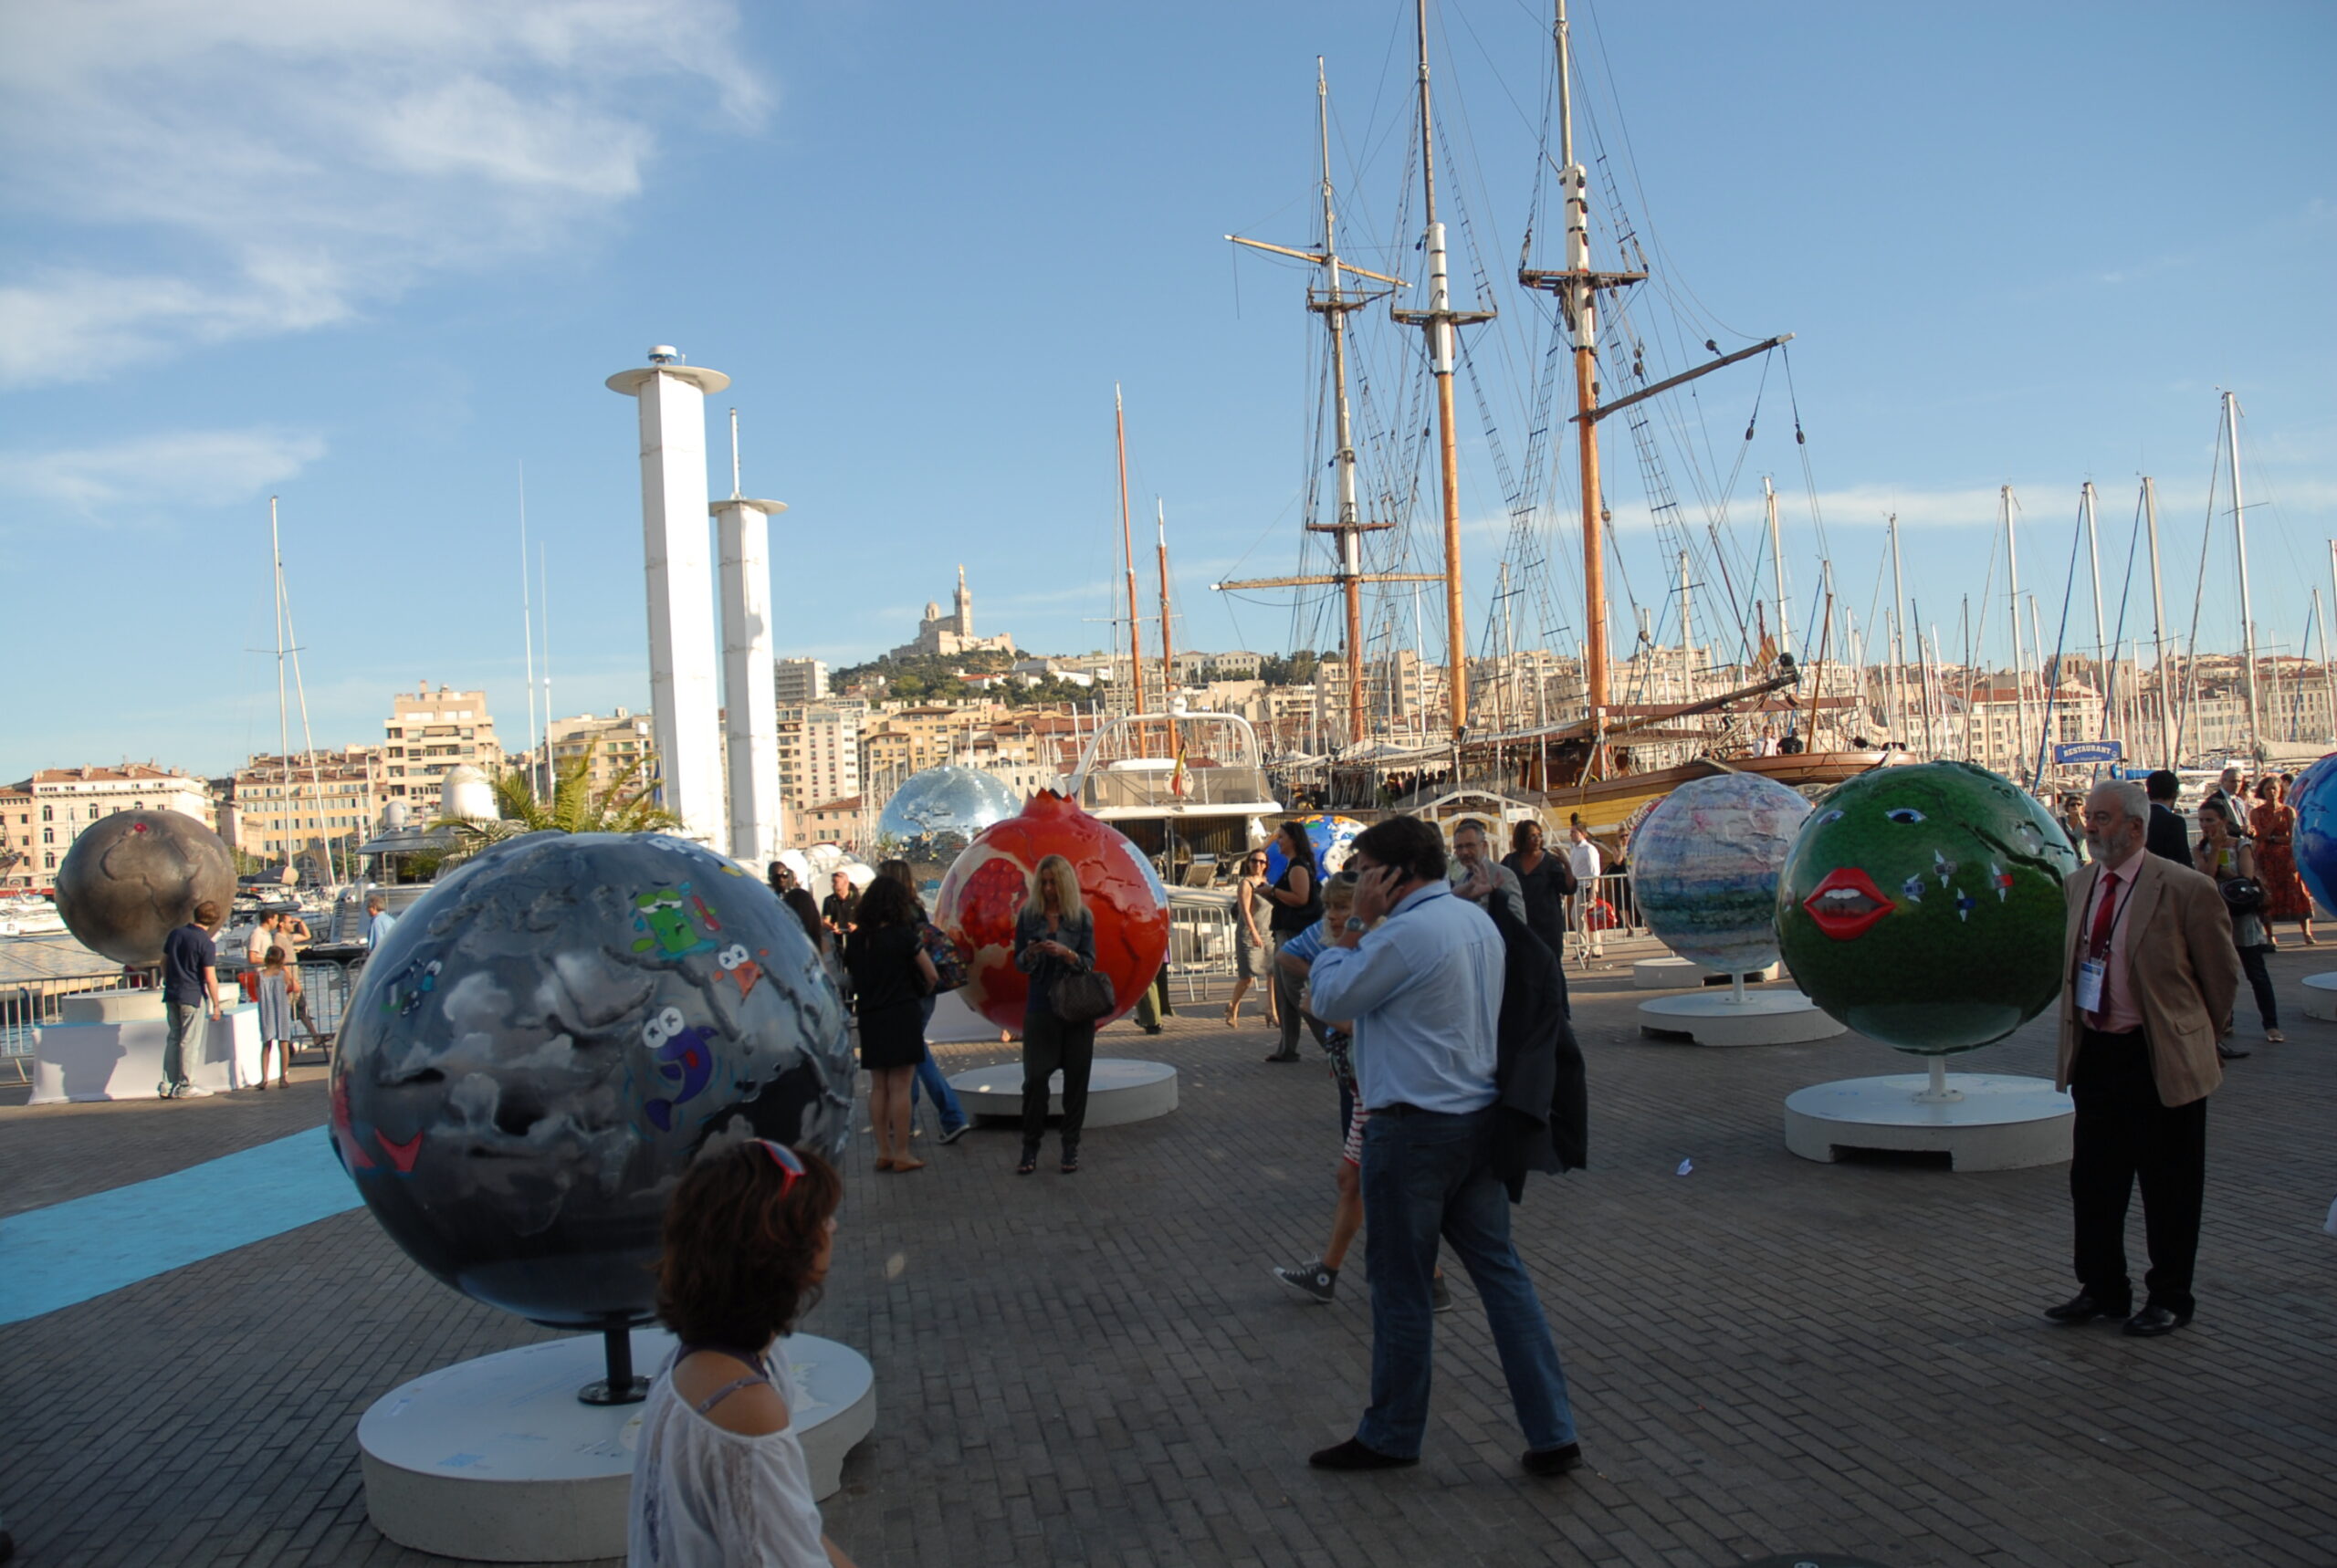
column 935, row 814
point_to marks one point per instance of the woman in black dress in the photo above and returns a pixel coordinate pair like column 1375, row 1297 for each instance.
column 891, row 977
column 1054, row 937
column 1296, row 902
column 1546, row 880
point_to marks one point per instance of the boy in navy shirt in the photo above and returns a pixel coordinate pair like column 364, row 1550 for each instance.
column 190, row 983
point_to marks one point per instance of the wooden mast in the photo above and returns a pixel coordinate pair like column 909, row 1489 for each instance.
column 1332, row 301
column 1128, row 552
column 1437, row 322
column 1578, row 289
column 1168, row 654
column 2247, row 610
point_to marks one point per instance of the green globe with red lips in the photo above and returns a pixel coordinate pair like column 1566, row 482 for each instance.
column 1922, row 906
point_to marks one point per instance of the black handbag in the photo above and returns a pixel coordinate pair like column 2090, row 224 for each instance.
column 2242, row 894
column 1084, row 998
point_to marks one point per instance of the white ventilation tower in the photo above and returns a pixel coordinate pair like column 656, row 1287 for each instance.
column 684, row 699
column 751, row 697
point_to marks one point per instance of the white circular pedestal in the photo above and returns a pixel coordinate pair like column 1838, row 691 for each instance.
column 2002, row 1121
column 1672, row 973
column 1748, row 1018
column 2321, row 998
column 1118, row 1091
column 496, row 1460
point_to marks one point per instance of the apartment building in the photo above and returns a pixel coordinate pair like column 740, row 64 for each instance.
column 819, row 752
column 429, row 731
column 309, row 810
column 801, row 682
column 624, row 739
column 41, row 816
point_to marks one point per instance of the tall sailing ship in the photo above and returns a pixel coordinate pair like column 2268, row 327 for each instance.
column 1506, row 753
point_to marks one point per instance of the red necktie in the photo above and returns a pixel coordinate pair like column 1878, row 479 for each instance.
column 2104, row 920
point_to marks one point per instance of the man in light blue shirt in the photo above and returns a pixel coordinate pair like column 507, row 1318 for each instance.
column 1424, row 990
column 378, row 920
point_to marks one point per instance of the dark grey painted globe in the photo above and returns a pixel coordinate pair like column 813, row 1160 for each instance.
column 935, row 814
column 547, row 1038
column 132, row 878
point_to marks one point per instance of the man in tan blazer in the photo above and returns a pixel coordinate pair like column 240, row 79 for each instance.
column 2151, row 973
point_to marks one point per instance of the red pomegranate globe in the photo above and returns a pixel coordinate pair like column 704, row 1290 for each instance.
column 995, row 876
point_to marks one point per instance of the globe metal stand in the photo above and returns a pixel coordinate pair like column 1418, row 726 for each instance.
column 1739, row 1017
column 1980, row 1121
column 620, row 1387
column 497, row 1460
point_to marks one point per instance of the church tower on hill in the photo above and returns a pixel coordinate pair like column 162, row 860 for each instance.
column 952, row 634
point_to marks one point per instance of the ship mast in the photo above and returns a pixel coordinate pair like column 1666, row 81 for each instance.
column 2239, row 533
column 1332, row 301
column 2158, row 627
column 1437, row 323
column 1167, row 654
column 1128, row 552
column 1577, row 288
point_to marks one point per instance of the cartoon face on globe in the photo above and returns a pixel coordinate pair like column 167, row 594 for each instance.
column 990, row 883
column 550, row 1035
column 1921, row 905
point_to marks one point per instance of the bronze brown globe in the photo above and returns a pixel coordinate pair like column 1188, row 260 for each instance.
column 132, row 878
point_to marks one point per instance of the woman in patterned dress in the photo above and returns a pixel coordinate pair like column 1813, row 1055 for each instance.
column 2274, row 824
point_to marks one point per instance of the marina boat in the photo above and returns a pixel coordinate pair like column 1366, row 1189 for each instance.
column 29, row 914
column 1188, row 788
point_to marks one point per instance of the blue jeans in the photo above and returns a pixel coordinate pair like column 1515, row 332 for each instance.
column 929, row 1078
column 1425, row 1175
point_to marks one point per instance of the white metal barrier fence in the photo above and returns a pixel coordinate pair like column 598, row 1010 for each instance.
column 32, row 1005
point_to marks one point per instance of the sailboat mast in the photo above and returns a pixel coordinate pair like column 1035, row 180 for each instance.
column 1350, row 514
column 1167, row 654
column 2239, row 533
column 2012, row 624
column 2100, row 655
column 2158, row 623
column 1776, row 564
column 283, row 726
column 1127, row 553
column 1898, row 726
column 1582, row 308
column 528, row 613
column 1437, row 322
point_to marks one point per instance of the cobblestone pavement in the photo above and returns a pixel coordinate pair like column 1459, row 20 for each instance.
column 1766, row 1355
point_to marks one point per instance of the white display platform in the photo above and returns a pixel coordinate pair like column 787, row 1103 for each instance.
column 85, row 1062
column 1981, row 1121
column 2321, row 998
column 497, row 1460
column 1739, row 1017
column 1118, row 1091
column 955, row 1023
column 1672, row 973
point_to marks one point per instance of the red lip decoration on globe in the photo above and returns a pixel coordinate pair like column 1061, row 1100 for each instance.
column 991, row 881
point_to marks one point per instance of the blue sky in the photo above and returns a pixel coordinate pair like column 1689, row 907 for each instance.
column 373, row 257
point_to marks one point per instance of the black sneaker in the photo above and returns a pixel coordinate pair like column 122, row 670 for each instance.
column 1551, row 1461
column 1353, row 1456
column 1312, row 1280
column 1440, row 1294
column 951, row 1134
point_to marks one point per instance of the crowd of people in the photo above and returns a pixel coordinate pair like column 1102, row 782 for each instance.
column 1434, row 985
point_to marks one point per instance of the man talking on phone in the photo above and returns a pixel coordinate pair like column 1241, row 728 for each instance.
column 1424, row 989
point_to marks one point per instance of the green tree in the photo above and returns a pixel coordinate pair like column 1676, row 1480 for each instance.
column 628, row 805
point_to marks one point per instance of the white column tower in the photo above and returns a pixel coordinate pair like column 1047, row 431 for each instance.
column 683, row 696
column 751, row 698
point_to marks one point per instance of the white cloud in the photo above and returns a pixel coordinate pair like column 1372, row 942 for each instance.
column 203, row 170
column 187, row 468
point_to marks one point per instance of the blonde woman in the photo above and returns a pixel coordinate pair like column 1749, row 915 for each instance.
column 1054, row 937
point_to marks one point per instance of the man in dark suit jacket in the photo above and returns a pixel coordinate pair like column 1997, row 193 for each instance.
column 2168, row 839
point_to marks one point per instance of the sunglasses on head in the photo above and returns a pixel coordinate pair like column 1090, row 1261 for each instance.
column 790, row 1164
